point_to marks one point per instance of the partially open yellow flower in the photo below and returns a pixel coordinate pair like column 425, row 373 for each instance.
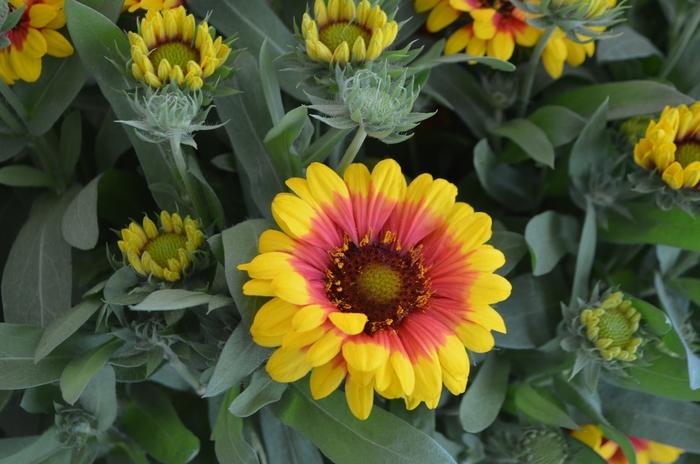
column 151, row 5
column 671, row 146
column 343, row 32
column 34, row 36
column 163, row 252
column 171, row 47
column 646, row 451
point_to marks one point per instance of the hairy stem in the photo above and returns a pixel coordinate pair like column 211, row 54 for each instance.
column 526, row 90
column 352, row 150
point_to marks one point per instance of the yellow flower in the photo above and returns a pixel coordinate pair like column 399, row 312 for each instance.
column 612, row 327
column 376, row 283
column 646, row 451
column 671, row 146
column 155, row 5
column 163, row 252
column 35, row 35
column 342, row 32
column 496, row 28
column 171, row 47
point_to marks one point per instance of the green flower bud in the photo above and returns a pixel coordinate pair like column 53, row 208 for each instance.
column 75, row 426
column 170, row 114
column 581, row 20
column 375, row 101
column 542, row 446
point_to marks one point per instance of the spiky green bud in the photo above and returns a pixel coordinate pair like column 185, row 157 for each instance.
column 542, row 446
column 581, row 20
column 382, row 105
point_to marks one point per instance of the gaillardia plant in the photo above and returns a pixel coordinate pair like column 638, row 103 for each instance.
column 375, row 282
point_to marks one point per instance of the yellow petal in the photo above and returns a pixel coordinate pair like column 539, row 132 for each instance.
column 287, row 365
column 404, row 371
column 350, row 323
column 291, row 287
column 364, row 355
column 268, row 265
column 475, row 337
column 292, row 214
column 360, row 397
column 308, row 318
column 488, row 288
column 326, row 379
column 324, row 349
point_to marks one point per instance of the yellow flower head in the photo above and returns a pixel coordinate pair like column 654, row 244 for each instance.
column 35, row 35
column 343, row 32
column 171, row 47
column 561, row 50
column 671, row 146
column 376, row 283
column 163, row 252
column 612, row 327
column 646, row 451
column 151, row 5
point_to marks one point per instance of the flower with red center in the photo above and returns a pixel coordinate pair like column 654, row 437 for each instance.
column 646, row 451
column 375, row 282
column 34, row 36
column 497, row 27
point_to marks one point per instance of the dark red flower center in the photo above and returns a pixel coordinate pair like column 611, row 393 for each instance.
column 378, row 279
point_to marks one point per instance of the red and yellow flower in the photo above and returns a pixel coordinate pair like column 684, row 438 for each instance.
column 496, row 28
column 377, row 283
column 34, row 36
column 646, row 451
column 671, row 146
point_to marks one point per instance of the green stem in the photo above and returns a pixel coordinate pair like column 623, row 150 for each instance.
column 191, row 193
column 586, row 254
column 352, row 150
column 182, row 369
column 526, row 90
column 677, row 51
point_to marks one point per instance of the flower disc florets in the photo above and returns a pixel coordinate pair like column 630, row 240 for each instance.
column 374, row 101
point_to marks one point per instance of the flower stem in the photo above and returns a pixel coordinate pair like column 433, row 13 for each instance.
column 526, row 90
column 352, row 150
column 191, row 196
column 49, row 161
column 677, row 50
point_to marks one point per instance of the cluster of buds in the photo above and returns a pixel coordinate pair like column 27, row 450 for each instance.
column 375, row 101
column 612, row 327
column 517, row 443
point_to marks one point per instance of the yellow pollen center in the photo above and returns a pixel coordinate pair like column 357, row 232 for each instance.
column 379, row 283
column 165, row 247
column 616, row 326
column 688, row 152
column 176, row 53
column 335, row 34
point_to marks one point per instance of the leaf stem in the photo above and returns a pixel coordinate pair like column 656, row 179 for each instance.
column 679, row 47
column 352, row 150
column 526, row 90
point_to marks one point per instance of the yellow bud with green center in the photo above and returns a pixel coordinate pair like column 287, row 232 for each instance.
column 687, row 152
column 613, row 328
column 335, row 34
column 166, row 247
column 379, row 283
column 175, row 53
